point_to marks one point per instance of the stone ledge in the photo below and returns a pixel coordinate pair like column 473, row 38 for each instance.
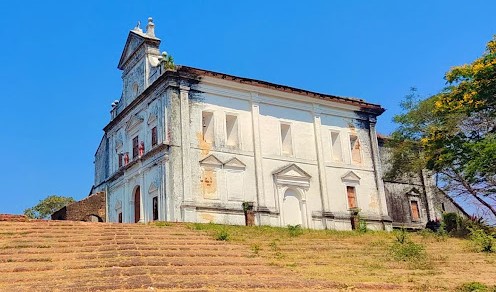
column 13, row 218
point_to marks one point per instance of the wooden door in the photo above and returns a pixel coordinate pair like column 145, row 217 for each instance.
column 137, row 206
column 415, row 210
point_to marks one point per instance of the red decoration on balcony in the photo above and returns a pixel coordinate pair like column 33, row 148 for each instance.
column 141, row 148
column 126, row 158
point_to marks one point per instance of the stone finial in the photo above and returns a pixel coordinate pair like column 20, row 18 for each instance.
column 138, row 28
column 150, row 28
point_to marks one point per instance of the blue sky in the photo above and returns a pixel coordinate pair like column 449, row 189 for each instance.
column 58, row 65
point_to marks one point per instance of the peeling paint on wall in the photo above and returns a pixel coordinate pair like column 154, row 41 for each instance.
column 209, row 184
column 205, row 147
column 374, row 204
column 207, row 218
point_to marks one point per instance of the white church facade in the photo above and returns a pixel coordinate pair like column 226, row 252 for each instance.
column 193, row 145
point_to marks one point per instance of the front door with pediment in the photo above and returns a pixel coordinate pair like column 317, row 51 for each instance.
column 137, row 206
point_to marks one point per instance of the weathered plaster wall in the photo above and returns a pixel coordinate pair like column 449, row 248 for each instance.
column 210, row 176
column 101, row 161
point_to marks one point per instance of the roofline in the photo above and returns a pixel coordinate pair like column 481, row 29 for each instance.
column 365, row 106
column 196, row 73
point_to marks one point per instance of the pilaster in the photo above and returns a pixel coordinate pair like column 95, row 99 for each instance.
column 185, row 144
column 257, row 151
column 378, row 168
column 317, row 125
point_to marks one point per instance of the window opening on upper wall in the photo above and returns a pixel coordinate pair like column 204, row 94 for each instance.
column 286, row 140
column 154, row 136
column 356, row 156
column 208, row 127
column 232, row 131
column 336, row 154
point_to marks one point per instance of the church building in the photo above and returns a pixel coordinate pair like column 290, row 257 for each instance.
column 192, row 145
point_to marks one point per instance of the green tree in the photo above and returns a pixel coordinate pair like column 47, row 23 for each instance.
column 453, row 133
column 47, row 206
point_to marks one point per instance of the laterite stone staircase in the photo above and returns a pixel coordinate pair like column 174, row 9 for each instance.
column 81, row 256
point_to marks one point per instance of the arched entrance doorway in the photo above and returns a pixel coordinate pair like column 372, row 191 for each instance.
column 291, row 208
column 137, row 206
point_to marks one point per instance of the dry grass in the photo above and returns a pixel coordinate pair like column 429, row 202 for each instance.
column 78, row 256
column 363, row 260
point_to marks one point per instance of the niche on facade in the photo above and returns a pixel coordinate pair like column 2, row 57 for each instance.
column 234, row 170
column 292, row 183
column 133, row 122
column 210, row 169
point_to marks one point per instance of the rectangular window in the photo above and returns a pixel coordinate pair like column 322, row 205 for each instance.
column 356, row 156
column 120, row 217
column 154, row 136
column 119, row 157
column 208, row 127
column 135, row 147
column 232, row 131
column 337, row 154
column 155, row 208
column 286, row 140
column 352, row 203
column 415, row 210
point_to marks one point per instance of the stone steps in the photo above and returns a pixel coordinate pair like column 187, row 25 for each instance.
column 65, row 256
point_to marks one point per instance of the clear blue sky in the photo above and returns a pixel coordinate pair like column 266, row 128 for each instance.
column 58, row 61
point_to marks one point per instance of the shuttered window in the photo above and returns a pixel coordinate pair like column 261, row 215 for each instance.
column 135, row 147
column 154, row 136
column 352, row 203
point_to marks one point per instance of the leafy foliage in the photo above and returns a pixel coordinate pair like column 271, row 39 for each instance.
column 295, row 230
column 482, row 241
column 47, row 206
column 167, row 61
column 222, row 235
column 453, row 133
column 405, row 250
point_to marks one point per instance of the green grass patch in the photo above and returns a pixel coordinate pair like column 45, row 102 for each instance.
column 161, row 223
column 475, row 287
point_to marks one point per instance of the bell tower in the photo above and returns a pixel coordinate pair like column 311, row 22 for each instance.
column 139, row 62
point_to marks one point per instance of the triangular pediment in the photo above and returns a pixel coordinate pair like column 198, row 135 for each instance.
column 211, row 160
column 133, row 121
column 413, row 192
column 134, row 40
column 350, row 176
column 234, row 163
column 292, row 170
column 153, row 116
column 152, row 188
